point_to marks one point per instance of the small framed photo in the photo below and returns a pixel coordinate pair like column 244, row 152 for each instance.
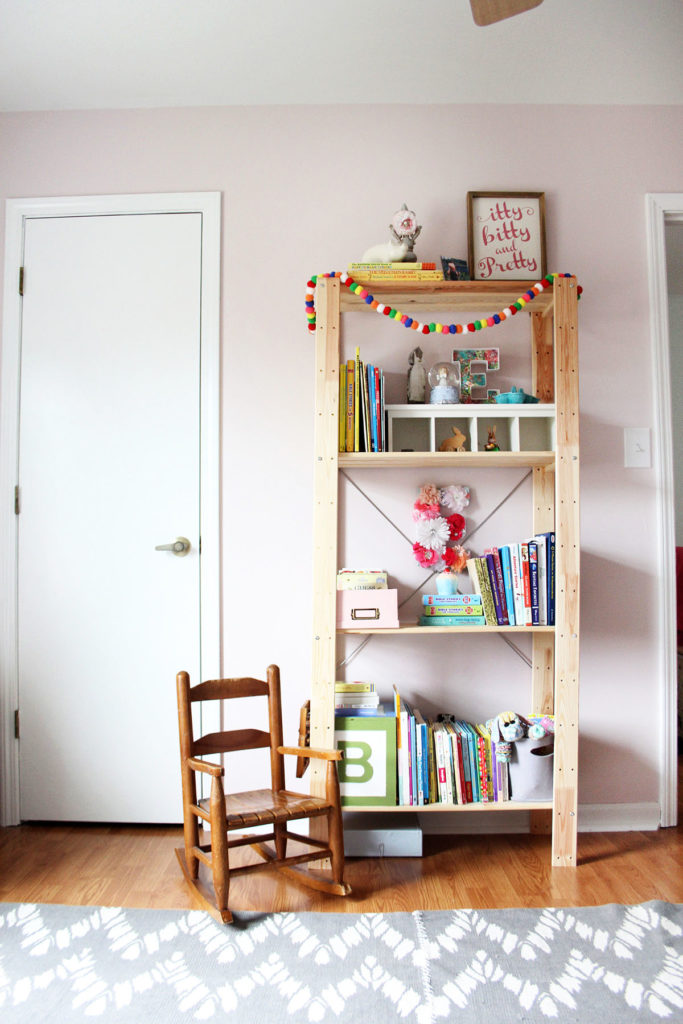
column 506, row 235
column 454, row 269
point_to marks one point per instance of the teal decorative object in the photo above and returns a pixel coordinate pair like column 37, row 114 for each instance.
column 516, row 397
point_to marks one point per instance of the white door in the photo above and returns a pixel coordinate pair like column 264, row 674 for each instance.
column 109, row 468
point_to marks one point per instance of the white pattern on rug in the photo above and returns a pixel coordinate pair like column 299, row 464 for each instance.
column 608, row 964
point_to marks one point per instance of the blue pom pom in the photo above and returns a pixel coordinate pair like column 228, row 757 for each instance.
column 409, row 321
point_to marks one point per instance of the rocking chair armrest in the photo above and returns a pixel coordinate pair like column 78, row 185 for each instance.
column 324, row 755
column 208, row 767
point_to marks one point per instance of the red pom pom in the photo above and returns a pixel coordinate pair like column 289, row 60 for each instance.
column 425, row 328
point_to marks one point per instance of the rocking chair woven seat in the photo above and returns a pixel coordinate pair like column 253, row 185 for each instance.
column 275, row 807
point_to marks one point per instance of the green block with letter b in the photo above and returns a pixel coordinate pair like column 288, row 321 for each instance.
column 367, row 773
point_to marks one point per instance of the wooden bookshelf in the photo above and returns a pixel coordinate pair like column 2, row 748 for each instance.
column 554, row 683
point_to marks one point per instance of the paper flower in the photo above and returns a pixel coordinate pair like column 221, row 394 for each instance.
column 454, row 498
column 438, row 527
column 433, row 533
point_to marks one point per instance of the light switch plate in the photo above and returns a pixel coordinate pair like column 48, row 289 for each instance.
column 637, row 453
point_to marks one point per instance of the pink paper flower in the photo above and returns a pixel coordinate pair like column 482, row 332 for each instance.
column 429, row 495
column 427, row 557
column 421, row 511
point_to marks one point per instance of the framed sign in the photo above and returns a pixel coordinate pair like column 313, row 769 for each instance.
column 506, row 235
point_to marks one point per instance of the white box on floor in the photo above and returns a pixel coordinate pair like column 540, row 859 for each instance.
column 391, row 838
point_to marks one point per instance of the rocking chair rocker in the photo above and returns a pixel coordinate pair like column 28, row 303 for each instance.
column 276, row 806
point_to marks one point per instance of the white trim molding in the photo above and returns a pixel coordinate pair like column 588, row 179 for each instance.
column 661, row 208
column 208, row 204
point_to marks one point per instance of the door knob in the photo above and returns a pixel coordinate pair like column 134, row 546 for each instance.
column 180, row 546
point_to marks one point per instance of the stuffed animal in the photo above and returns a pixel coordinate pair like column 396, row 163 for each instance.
column 505, row 728
column 455, row 443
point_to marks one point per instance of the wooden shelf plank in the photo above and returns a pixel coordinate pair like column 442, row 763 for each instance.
column 505, row 805
column 461, row 460
column 413, row 629
column 453, row 296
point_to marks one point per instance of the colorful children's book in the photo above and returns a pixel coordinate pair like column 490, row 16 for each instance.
column 542, row 580
column 496, row 578
column 517, row 584
column 526, row 581
column 533, row 581
column 443, row 600
column 479, row 576
column 504, row 553
column 460, row 610
column 452, row 620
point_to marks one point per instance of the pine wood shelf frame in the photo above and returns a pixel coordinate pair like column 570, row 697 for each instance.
column 555, row 495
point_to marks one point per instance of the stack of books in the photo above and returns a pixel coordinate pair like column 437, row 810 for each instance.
column 445, row 760
column 362, row 426
column 357, row 700
column 454, row 610
column 362, row 579
column 516, row 582
column 367, row 273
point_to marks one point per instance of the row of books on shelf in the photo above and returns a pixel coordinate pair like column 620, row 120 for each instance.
column 361, row 395
column 444, row 760
column 438, row 760
column 516, row 582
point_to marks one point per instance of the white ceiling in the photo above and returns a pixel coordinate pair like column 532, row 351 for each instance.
column 78, row 54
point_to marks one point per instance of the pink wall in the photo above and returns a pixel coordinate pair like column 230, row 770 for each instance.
column 305, row 190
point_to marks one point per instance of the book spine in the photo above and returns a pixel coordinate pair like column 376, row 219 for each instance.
column 466, row 764
column 438, row 599
column 526, row 581
column 507, row 582
column 533, row 581
column 413, row 762
column 551, row 579
column 452, row 620
column 357, row 402
column 461, row 611
column 383, row 443
column 500, row 584
column 367, row 446
column 478, row 573
column 491, row 566
column 342, row 407
column 472, row 755
column 517, row 585
column 342, row 687
column 542, row 580
column 350, row 403
column 392, row 266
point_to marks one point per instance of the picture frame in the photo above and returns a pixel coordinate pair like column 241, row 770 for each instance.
column 506, row 236
column 367, row 774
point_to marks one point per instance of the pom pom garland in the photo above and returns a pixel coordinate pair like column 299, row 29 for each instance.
column 433, row 328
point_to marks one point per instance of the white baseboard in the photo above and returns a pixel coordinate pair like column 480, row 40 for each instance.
column 642, row 817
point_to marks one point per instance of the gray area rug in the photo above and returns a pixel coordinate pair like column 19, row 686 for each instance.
column 609, row 964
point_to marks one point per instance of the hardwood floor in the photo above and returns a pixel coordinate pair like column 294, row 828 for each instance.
column 135, row 866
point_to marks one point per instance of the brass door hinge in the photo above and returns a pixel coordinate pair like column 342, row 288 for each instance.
column 16, row 724
column 21, row 280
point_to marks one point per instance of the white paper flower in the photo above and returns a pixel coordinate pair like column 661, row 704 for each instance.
column 455, row 498
column 433, row 533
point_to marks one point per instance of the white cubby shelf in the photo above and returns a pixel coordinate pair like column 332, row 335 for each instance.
column 523, row 427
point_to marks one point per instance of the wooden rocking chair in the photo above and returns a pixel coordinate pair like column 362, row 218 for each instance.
column 276, row 806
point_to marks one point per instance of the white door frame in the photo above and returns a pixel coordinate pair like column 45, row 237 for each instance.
column 208, row 204
column 663, row 208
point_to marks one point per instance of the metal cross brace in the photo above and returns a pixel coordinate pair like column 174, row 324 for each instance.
column 525, row 658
